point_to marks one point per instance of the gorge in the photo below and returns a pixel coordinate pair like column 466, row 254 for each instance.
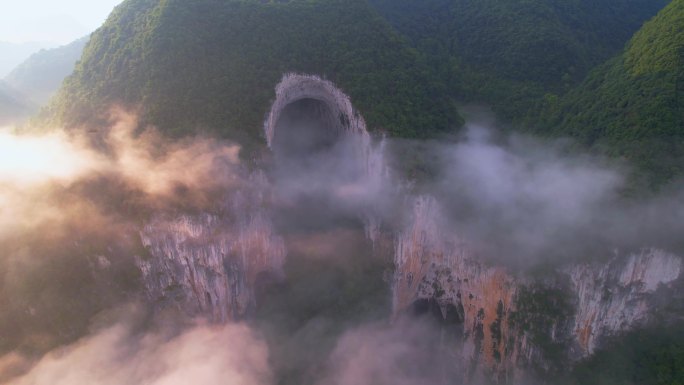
column 329, row 177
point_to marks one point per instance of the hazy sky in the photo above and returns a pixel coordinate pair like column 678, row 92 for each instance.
column 58, row 21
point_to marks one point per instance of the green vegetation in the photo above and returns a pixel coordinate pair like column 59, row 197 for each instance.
column 632, row 106
column 535, row 62
column 510, row 53
column 651, row 356
column 542, row 312
column 40, row 76
column 212, row 65
column 51, row 286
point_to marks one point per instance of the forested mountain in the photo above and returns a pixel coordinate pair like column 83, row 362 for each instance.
column 524, row 261
column 12, row 54
column 633, row 105
column 40, row 76
column 651, row 356
column 13, row 107
column 510, row 53
column 212, row 65
column 536, row 63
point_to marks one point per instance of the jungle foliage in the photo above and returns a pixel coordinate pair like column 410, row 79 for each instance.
column 633, row 105
column 212, row 65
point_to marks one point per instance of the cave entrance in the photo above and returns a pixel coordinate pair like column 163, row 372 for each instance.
column 306, row 131
column 315, row 163
column 449, row 315
column 448, row 318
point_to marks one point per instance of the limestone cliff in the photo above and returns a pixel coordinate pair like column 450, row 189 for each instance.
column 208, row 264
column 605, row 298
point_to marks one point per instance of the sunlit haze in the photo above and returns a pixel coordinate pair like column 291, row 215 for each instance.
column 27, row 159
column 57, row 22
column 341, row 192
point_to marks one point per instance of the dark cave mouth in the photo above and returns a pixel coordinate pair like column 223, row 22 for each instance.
column 313, row 149
column 306, row 127
column 448, row 315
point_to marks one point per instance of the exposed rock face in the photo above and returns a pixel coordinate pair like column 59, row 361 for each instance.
column 209, row 264
column 294, row 87
column 432, row 264
column 615, row 296
column 606, row 298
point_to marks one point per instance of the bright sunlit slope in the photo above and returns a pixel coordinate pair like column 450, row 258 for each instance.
column 214, row 64
column 634, row 104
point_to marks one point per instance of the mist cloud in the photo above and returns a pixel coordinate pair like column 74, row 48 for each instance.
column 522, row 201
column 56, row 176
column 410, row 351
column 71, row 204
column 71, row 212
column 227, row 355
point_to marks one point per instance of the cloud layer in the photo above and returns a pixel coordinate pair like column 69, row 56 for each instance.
column 210, row 355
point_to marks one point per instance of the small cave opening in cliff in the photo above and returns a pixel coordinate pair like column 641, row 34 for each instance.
column 449, row 315
column 448, row 318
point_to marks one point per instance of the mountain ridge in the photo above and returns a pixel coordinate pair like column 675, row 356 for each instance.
column 147, row 55
column 633, row 105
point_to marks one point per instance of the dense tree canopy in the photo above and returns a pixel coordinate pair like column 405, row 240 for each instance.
column 510, row 53
column 555, row 67
column 213, row 65
column 650, row 356
column 634, row 104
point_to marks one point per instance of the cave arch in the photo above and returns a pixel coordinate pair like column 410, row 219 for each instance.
column 322, row 160
column 306, row 127
column 295, row 87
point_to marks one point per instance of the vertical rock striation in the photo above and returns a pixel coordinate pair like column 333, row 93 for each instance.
column 209, row 264
column 605, row 298
column 616, row 296
column 432, row 264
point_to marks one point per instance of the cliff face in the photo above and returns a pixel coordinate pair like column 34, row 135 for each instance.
column 433, row 265
column 616, row 296
column 210, row 264
column 499, row 332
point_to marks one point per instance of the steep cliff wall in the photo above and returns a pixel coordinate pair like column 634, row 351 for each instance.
column 209, row 264
column 433, row 264
column 615, row 296
column 512, row 322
